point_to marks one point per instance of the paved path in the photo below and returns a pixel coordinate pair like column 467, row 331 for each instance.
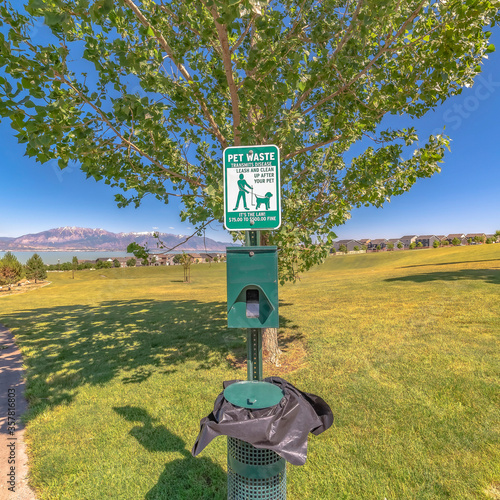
column 12, row 447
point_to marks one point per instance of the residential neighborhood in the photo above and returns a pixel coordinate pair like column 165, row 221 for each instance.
column 409, row 242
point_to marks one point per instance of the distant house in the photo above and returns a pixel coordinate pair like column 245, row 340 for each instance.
column 473, row 235
column 162, row 259
column 427, row 240
column 382, row 242
column 349, row 244
column 441, row 237
column 458, row 236
column 121, row 260
column 395, row 242
column 210, row 257
column 408, row 240
column 365, row 241
column 196, row 258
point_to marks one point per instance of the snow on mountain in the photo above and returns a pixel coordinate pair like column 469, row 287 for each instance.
column 80, row 238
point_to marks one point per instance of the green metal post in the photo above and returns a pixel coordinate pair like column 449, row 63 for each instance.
column 254, row 335
column 254, row 473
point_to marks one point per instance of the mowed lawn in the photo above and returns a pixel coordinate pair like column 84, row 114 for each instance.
column 123, row 363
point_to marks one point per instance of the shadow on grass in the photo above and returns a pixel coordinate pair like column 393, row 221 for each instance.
column 185, row 477
column 450, row 263
column 487, row 275
column 66, row 347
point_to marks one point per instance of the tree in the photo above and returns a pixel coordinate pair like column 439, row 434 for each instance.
column 177, row 258
column 478, row 239
column 185, row 260
column 420, row 244
column 497, row 235
column 35, row 268
column 342, row 249
column 390, row 246
column 400, row 245
column 435, row 244
column 455, row 242
column 469, row 241
column 445, row 243
column 364, row 248
column 378, row 248
column 163, row 88
column 412, row 245
column 74, row 266
column 116, row 263
column 356, row 248
column 11, row 270
column 131, row 262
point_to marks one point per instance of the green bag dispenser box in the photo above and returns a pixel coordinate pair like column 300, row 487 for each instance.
column 252, row 287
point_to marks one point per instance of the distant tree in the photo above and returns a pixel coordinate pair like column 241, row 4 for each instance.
column 497, row 235
column 74, row 266
column 455, row 242
column 342, row 249
column 469, row 241
column 116, row 263
column 412, row 245
column 99, row 264
column 420, row 244
column 390, row 246
column 364, row 248
column 379, row 247
column 141, row 253
column 35, row 268
column 445, row 243
column 356, row 248
column 131, row 262
column 333, row 250
column 400, row 245
column 436, row 244
column 185, row 260
column 478, row 239
column 489, row 241
column 11, row 270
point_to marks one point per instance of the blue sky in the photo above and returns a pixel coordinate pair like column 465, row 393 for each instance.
column 464, row 197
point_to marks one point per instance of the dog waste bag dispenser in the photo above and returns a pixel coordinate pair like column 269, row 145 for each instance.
column 252, row 287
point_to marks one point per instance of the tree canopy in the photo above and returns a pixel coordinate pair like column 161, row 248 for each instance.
column 146, row 94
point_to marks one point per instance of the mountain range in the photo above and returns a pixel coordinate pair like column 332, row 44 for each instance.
column 81, row 238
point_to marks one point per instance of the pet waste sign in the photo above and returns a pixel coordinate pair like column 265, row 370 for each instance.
column 252, row 193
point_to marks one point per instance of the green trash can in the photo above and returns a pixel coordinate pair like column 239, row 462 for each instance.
column 254, row 473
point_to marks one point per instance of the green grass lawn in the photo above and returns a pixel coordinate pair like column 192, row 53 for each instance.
column 123, row 363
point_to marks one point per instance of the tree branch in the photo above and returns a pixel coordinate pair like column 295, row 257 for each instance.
column 125, row 141
column 187, row 239
column 228, row 68
column 312, row 147
column 184, row 72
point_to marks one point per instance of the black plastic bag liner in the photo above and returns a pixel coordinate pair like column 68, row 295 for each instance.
column 282, row 428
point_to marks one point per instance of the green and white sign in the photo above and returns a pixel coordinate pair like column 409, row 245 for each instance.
column 252, row 189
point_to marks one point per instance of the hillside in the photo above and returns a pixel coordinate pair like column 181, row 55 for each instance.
column 79, row 238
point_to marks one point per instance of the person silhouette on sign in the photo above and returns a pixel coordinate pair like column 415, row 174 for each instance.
column 242, row 184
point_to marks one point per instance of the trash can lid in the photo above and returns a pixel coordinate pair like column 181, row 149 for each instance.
column 253, row 394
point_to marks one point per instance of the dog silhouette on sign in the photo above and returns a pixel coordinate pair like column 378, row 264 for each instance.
column 263, row 200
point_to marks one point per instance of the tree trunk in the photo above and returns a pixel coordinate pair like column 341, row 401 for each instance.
column 270, row 345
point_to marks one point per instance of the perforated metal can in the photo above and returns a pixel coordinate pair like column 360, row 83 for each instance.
column 254, row 473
